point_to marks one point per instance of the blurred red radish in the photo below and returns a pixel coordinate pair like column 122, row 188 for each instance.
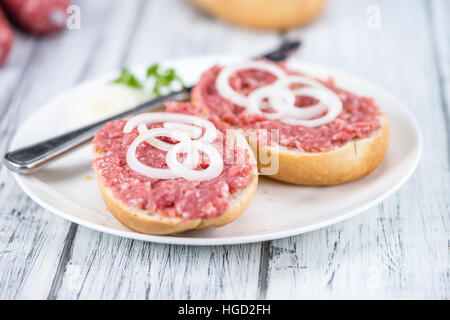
column 6, row 38
column 37, row 16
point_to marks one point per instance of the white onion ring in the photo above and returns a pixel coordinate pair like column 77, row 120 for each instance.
column 192, row 159
column 223, row 79
column 287, row 81
column 182, row 132
column 190, row 132
column 305, row 112
column 327, row 98
column 160, row 144
column 156, row 142
column 280, row 99
column 194, row 132
column 137, row 166
column 215, row 166
column 161, row 117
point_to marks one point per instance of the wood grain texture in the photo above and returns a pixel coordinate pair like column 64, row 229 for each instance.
column 397, row 250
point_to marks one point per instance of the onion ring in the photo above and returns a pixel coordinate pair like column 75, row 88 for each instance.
column 280, row 99
column 223, row 79
column 215, row 166
column 326, row 97
column 160, row 117
column 137, row 166
column 172, row 119
column 183, row 132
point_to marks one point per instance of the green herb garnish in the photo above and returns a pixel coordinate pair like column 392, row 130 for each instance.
column 160, row 78
column 129, row 79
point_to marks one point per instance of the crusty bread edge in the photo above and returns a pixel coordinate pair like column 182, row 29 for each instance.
column 352, row 161
column 264, row 14
column 151, row 223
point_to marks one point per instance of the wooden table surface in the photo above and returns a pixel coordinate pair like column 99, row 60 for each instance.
column 398, row 249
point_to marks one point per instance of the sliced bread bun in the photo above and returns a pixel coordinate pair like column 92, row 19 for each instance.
column 349, row 162
column 264, row 14
column 147, row 222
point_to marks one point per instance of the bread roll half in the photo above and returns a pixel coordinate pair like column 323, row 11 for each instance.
column 147, row 222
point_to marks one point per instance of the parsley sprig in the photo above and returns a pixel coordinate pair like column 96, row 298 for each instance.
column 160, row 79
column 129, row 79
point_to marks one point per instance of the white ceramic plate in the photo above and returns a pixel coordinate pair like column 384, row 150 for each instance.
column 278, row 210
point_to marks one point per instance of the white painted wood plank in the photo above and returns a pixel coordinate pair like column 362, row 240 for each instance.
column 399, row 249
column 170, row 29
column 439, row 13
column 32, row 239
column 26, row 234
column 108, row 267
column 14, row 68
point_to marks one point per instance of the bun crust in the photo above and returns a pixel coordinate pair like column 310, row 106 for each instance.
column 352, row 161
column 264, row 14
column 152, row 223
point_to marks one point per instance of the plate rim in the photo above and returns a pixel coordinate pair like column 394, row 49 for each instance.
column 194, row 241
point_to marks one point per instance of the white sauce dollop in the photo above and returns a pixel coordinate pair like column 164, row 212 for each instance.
column 103, row 101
